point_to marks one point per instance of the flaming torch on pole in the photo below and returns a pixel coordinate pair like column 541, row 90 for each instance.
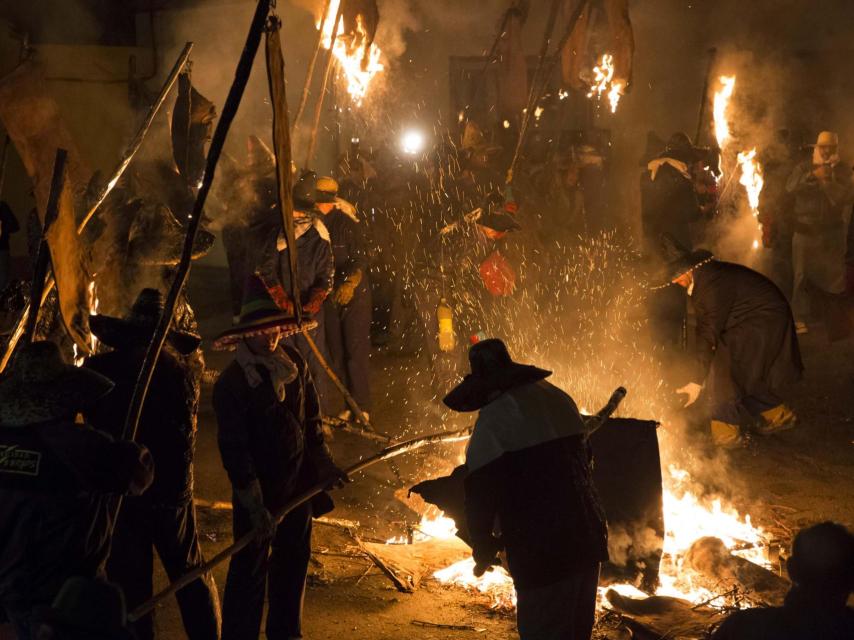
column 752, row 181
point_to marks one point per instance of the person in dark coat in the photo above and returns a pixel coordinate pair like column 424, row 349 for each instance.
column 529, row 492
column 315, row 278
column 746, row 347
column 8, row 225
column 669, row 204
column 84, row 609
column 823, row 190
column 464, row 269
column 821, row 567
column 164, row 519
column 272, row 447
column 347, row 312
column 57, row 479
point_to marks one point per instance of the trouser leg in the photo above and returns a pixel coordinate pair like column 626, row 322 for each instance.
column 335, row 349
column 326, row 390
column 356, row 339
column 177, row 542
column 243, row 602
column 289, row 559
column 565, row 610
column 131, row 561
column 800, row 255
column 584, row 614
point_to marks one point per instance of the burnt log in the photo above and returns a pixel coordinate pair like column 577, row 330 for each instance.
column 718, row 571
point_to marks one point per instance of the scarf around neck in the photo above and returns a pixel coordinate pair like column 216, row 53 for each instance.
column 279, row 366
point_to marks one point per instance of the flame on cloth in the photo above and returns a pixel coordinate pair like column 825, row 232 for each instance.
column 752, row 181
column 605, row 84
column 94, row 304
column 687, row 518
column 349, row 50
column 538, row 112
column 719, row 109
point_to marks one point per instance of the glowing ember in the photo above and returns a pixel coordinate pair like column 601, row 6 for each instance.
column 538, row 112
column 497, row 584
column 719, row 109
column 604, row 83
column 94, row 303
column 752, row 181
column 358, row 60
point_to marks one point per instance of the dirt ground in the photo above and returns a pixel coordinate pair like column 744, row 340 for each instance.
column 785, row 482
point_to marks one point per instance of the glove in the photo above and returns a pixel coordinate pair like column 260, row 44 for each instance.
column 347, row 289
column 692, row 390
column 143, row 473
column 315, row 301
column 262, row 520
column 485, row 559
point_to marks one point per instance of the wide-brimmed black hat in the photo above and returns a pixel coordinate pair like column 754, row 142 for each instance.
column 679, row 147
column 493, row 372
column 260, row 316
column 87, row 608
column 678, row 259
column 138, row 326
column 40, row 382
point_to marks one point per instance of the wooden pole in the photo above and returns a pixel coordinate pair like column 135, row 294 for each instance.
column 57, row 184
column 318, row 109
column 540, row 80
column 126, row 158
column 283, row 154
column 232, row 102
column 310, row 72
column 305, row 496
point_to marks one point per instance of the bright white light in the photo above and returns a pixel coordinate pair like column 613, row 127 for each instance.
column 412, row 142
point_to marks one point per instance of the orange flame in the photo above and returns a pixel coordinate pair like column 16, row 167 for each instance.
column 752, row 181
column 358, row 60
column 605, row 84
column 719, row 109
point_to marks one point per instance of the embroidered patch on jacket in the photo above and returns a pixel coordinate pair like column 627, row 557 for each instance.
column 21, row 462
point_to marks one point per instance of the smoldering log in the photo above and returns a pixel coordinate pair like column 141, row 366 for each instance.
column 718, row 571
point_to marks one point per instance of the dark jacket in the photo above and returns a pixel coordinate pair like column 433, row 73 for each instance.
column 278, row 443
column 745, row 326
column 452, row 260
column 668, row 204
column 167, row 426
column 820, row 208
column 797, row 619
column 349, row 246
column 55, row 478
column 551, row 521
column 315, row 268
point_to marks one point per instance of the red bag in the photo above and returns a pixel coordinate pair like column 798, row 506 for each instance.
column 497, row 275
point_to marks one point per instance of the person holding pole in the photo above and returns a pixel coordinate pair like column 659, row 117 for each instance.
column 271, row 442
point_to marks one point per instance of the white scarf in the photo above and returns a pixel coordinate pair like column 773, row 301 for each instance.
column 656, row 164
column 521, row 418
column 281, row 368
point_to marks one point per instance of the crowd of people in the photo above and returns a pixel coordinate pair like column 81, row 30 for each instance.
column 426, row 250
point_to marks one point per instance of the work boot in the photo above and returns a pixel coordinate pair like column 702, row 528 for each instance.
column 726, row 435
column 780, row 418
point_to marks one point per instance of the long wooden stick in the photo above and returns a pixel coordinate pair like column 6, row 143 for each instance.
column 126, row 158
column 305, row 496
column 136, row 143
column 310, row 72
column 318, row 108
column 704, row 97
column 232, row 102
column 57, row 184
column 540, row 82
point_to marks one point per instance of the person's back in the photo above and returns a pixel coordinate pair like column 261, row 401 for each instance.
column 822, row 569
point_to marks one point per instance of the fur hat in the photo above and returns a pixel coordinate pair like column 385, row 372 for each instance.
column 138, row 326
column 41, row 386
column 493, row 372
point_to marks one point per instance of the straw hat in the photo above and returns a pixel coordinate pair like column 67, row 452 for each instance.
column 826, row 139
column 41, row 386
column 260, row 316
column 138, row 326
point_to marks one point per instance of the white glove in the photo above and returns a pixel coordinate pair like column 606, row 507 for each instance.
column 692, row 390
